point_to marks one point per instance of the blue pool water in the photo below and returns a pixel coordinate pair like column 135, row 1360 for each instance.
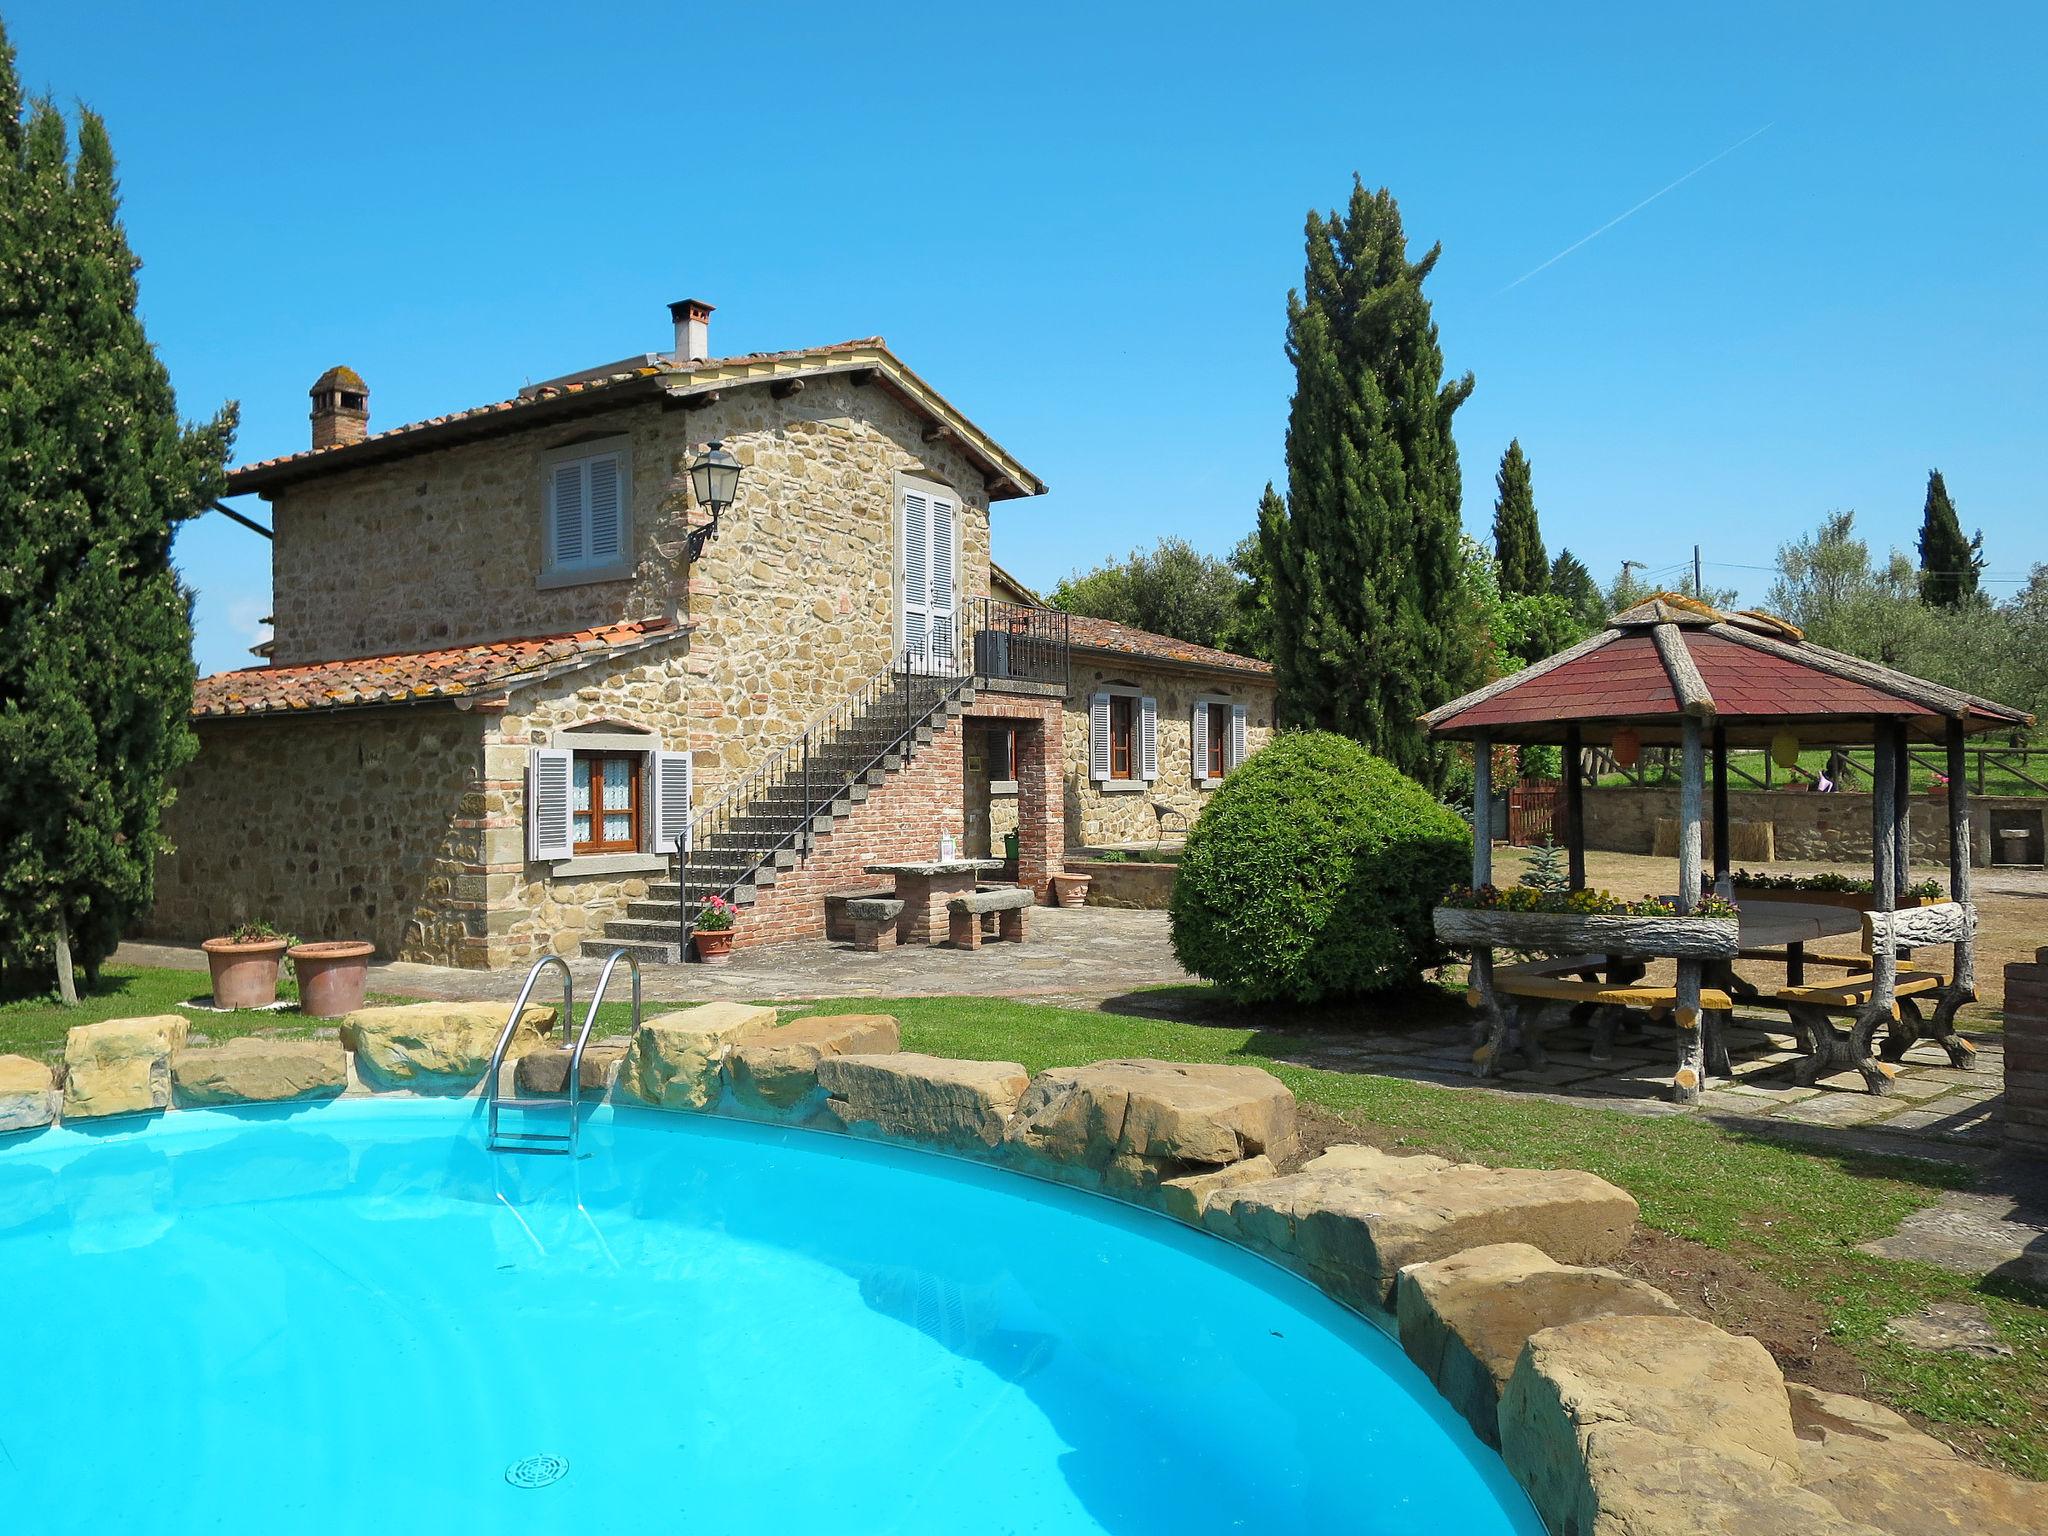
column 352, row 1319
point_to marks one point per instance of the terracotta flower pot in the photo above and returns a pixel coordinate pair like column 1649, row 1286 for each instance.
column 1070, row 890
column 244, row 975
column 332, row 976
column 714, row 946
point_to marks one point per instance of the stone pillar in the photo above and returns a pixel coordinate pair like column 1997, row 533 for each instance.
column 2026, row 1056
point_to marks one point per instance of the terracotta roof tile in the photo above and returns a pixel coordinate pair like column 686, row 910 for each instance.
column 412, row 676
column 1120, row 639
column 546, row 393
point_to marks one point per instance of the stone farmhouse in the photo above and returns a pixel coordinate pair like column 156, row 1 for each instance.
column 526, row 695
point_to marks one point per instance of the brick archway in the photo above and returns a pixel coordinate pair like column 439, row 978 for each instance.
column 1040, row 723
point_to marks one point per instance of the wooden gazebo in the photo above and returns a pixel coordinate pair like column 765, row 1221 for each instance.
column 1674, row 671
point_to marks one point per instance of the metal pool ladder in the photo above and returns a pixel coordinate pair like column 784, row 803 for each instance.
column 496, row 1140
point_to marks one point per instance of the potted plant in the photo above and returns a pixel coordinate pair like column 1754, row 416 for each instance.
column 245, row 964
column 1069, row 889
column 713, row 933
column 332, row 975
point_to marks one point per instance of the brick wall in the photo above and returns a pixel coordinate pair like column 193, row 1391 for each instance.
column 2026, row 1055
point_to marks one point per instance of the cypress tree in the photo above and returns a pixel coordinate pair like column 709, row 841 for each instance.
column 96, row 471
column 1949, row 563
column 1364, row 560
column 1517, row 540
column 1573, row 582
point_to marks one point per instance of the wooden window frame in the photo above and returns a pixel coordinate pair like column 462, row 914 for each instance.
column 1219, row 739
column 596, row 844
column 1123, row 737
column 1003, row 754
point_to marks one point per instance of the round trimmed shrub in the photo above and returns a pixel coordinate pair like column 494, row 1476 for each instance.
column 1311, row 875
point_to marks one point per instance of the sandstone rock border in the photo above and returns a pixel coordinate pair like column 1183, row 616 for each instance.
column 1619, row 1414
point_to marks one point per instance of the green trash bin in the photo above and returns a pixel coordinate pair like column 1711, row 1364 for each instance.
column 1010, row 846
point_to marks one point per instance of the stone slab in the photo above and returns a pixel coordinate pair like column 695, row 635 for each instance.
column 1679, row 1378
column 436, row 1048
column 1354, row 1217
column 28, row 1094
column 254, row 1071
column 775, row 1072
column 120, row 1066
column 1465, row 1319
column 915, row 1097
column 1875, row 1467
column 546, row 1070
column 677, row 1060
column 1185, row 1198
column 1134, row 1123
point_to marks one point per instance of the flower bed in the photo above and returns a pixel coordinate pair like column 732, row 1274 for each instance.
column 1829, row 890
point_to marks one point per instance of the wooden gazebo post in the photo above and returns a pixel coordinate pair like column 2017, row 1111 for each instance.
column 1488, row 1024
column 1962, row 987
column 1691, row 1074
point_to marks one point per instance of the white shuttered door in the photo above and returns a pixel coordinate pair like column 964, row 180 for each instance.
column 930, row 584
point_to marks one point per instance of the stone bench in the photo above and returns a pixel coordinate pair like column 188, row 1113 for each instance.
column 874, row 921
column 838, row 921
column 1008, row 903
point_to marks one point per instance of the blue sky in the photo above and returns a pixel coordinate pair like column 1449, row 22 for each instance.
column 1081, row 222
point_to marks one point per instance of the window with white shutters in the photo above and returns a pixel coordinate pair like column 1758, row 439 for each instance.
column 587, row 518
column 1237, row 724
column 1098, row 737
column 1148, row 738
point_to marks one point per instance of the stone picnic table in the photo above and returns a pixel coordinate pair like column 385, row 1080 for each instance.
column 925, row 888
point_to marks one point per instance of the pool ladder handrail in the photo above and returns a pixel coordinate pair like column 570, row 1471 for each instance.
column 551, row 1141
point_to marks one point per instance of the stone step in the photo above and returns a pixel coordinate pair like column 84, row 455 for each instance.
column 630, row 930
column 646, row 951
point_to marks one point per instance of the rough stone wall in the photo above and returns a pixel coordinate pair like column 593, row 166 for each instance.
column 794, row 602
column 1096, row 817
column 358, row 825
column 1809, row 827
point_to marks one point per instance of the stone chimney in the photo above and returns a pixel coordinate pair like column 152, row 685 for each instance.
column 693, row 330
column 341, row 408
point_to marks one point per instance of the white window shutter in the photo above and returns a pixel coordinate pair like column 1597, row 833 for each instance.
column 1198, row 738
column 1148, row 711
column 1098, row 737
column 916, row 579
column 672, row 802
column 1236, row 748
column 566, row 511
column 607, row 510
column 940, row 595
column 549, row 834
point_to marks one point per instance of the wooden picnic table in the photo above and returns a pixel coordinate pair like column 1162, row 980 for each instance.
column 924, row 887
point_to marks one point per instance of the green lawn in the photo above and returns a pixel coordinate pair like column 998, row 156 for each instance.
column 1788, row 1212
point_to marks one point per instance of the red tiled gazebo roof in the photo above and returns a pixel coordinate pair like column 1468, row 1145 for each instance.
column 1752, row 674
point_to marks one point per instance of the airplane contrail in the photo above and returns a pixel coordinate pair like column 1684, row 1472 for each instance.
column 1639, row 207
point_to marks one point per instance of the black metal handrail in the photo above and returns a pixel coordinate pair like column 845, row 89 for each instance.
column 1018, row 642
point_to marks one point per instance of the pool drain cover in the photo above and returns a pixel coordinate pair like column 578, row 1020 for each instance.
column 537, row 1471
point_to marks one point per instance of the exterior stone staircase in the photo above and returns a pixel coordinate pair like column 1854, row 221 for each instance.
column 780, row 811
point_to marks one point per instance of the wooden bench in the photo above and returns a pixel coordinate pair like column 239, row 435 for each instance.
column 964, row 915
column 874, row 921
column 1853, row 994
column 1571, row 988
column 838, row 923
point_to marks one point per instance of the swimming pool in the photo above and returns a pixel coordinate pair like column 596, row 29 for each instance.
column 353, row 1319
